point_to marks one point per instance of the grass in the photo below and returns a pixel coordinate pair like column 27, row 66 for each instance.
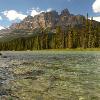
column 82, row 49
column 66, row 49
column 72, row 49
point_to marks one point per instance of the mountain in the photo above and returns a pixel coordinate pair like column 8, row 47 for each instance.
column 49, row 19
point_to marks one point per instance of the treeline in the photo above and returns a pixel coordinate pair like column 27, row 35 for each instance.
column 87, row 36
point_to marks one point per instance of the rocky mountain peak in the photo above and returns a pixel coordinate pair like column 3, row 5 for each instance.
column 65, row 12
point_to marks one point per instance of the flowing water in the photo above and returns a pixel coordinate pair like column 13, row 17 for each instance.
column 50, row 75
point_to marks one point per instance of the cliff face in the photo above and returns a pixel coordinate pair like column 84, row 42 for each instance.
column 49, row 19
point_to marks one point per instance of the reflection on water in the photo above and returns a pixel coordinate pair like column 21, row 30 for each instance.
column 50, row 75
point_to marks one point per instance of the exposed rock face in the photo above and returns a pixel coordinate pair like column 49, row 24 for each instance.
column 49, row 19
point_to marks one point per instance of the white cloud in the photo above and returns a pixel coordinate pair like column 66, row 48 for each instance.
column 96, row 18
column 13, row 15
column 36, row 11
column 1, row 27
column 49, row 9
column 96, row 6
column 0, row 18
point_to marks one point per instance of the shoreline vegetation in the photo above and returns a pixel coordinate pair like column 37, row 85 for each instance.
column 67, row 49
column 76, row 49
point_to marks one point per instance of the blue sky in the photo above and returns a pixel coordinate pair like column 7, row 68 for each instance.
column 12, row 11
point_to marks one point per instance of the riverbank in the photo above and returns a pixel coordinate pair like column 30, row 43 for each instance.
column 49, row 75
column 75, row 49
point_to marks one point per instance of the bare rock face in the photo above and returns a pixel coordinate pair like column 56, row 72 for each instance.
column 49, row 19
column 65, row 12
column 67, row 19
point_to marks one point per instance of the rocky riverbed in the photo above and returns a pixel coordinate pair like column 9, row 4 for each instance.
column 50, row 75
